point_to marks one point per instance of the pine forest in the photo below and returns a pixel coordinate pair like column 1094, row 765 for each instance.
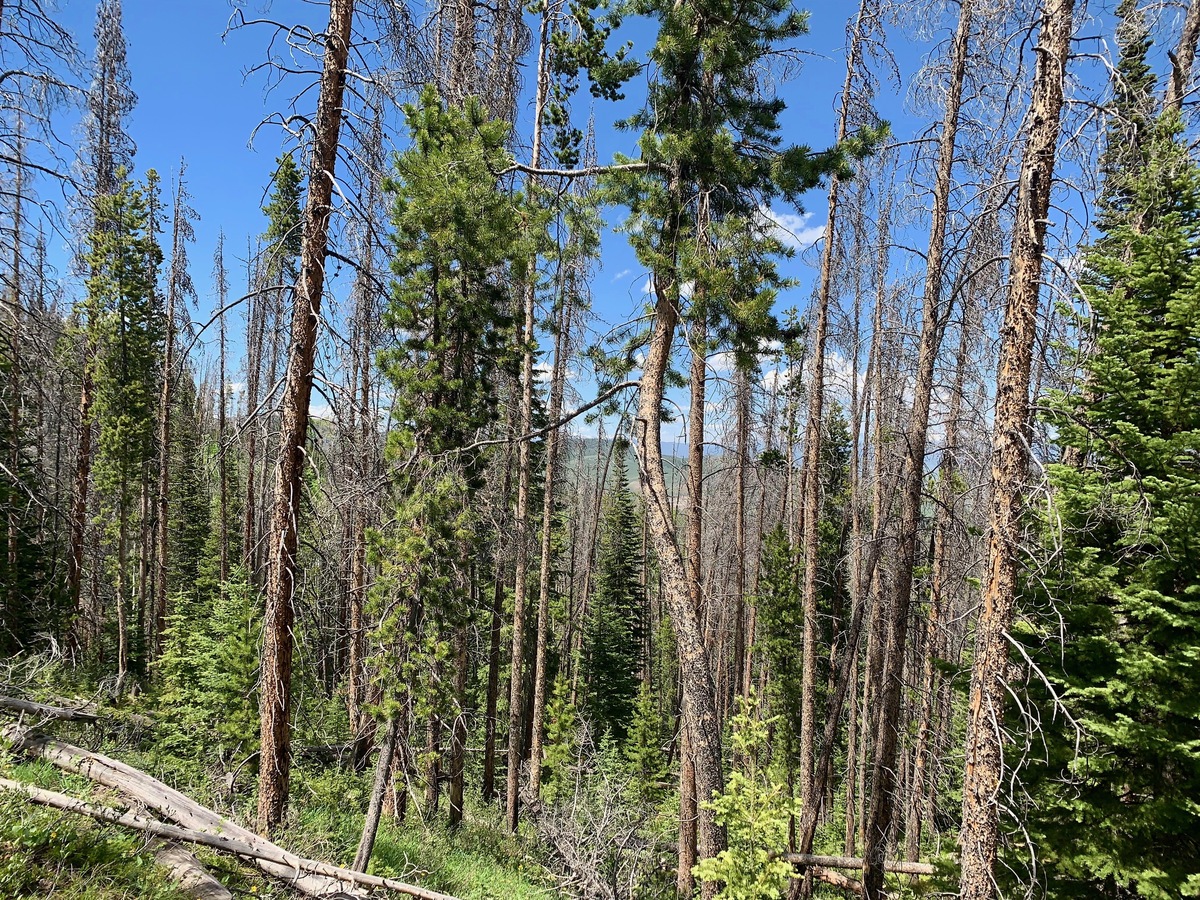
column 616, row 449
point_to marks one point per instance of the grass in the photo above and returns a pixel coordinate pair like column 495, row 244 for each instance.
column 46, row 853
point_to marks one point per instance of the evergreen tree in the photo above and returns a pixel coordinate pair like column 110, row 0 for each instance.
column 615, row 629
column 1118, row 818
column 457, row 248
column 1131, row 112
column 33, row 602
column 780, row 620
column 284, row 227
column 191, row 530
column 126, row 329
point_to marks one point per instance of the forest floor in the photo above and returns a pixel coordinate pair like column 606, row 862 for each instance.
column 47, row 853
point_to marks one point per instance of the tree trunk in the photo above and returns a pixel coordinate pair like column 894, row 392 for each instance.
column 516, row 704
column 811, row 517
column 1182, row 59
column 222, row 450
column 379, row 785
column 458, row 730
column 883, row 783
column 1010, row 458
column 557, row 385
column 79, row 493
column 159, row 594
column 276, row 700
column 695, row 675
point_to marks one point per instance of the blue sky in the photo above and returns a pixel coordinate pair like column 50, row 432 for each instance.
column 195, row 103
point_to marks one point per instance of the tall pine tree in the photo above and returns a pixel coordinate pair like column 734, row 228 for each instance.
column 1115, row 813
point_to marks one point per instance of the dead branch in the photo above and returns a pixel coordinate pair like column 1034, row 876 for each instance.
column 853, row 862
column 82, row 714
column 198, row 824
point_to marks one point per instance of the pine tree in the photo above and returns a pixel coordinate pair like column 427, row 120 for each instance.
column 456, row 245
column 614, row 633
column 1119, row 817
column 126, row 329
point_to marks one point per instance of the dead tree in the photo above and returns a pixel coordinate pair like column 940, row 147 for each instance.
column 984, row 752
column 933, row 318
column 276, row 697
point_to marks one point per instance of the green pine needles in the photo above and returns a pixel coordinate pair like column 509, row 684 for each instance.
column 1119, row 816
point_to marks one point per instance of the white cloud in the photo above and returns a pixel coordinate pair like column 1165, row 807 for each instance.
column 722, row 363
column 793, row 228
column 624, row 273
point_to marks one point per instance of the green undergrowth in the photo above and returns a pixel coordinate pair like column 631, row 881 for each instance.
column 47, row 853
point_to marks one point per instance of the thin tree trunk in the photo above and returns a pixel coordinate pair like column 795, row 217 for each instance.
column 557, row 384
column 883, row 782
column 1010, row 458
column 812, row 442
column 458, row 731
column 276, row 697
column 516, row 702
column 222, row 286
column 688, row 798
column 79, row 493
column 164, row 453
column 379, row 785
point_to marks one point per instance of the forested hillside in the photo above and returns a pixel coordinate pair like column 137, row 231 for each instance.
column 616, row 449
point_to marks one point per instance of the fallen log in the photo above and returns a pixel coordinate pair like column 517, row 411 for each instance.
column 263, row 851
column 312, row 877
column 84, row 714
column 188, row 872
column 899, row 867
column 837, row 879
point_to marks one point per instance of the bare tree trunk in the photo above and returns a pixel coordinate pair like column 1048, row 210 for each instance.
column 383, row 774
column 883, row 783
column 222, row 286
column 493, row 676
column 524, row 474
column 557, row 384
column 79, row 493
column 695, row 675
column 1010, row 458
column 122, row 587
column 254, row 348
column 919, row 804
column 276, row 697
column 1182, row 59
column 811, row 517
column 689, row 799
column 15, row 364
column 458, row 730
column 741, row 662
column 159, row 593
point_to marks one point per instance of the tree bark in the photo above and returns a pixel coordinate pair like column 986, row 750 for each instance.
column 696, row 681
column 984, row 752
column 516, row 703
column 811, row 478
column 379, row 786
column 1182, row 59
column 275, row 701
column 883, row 784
